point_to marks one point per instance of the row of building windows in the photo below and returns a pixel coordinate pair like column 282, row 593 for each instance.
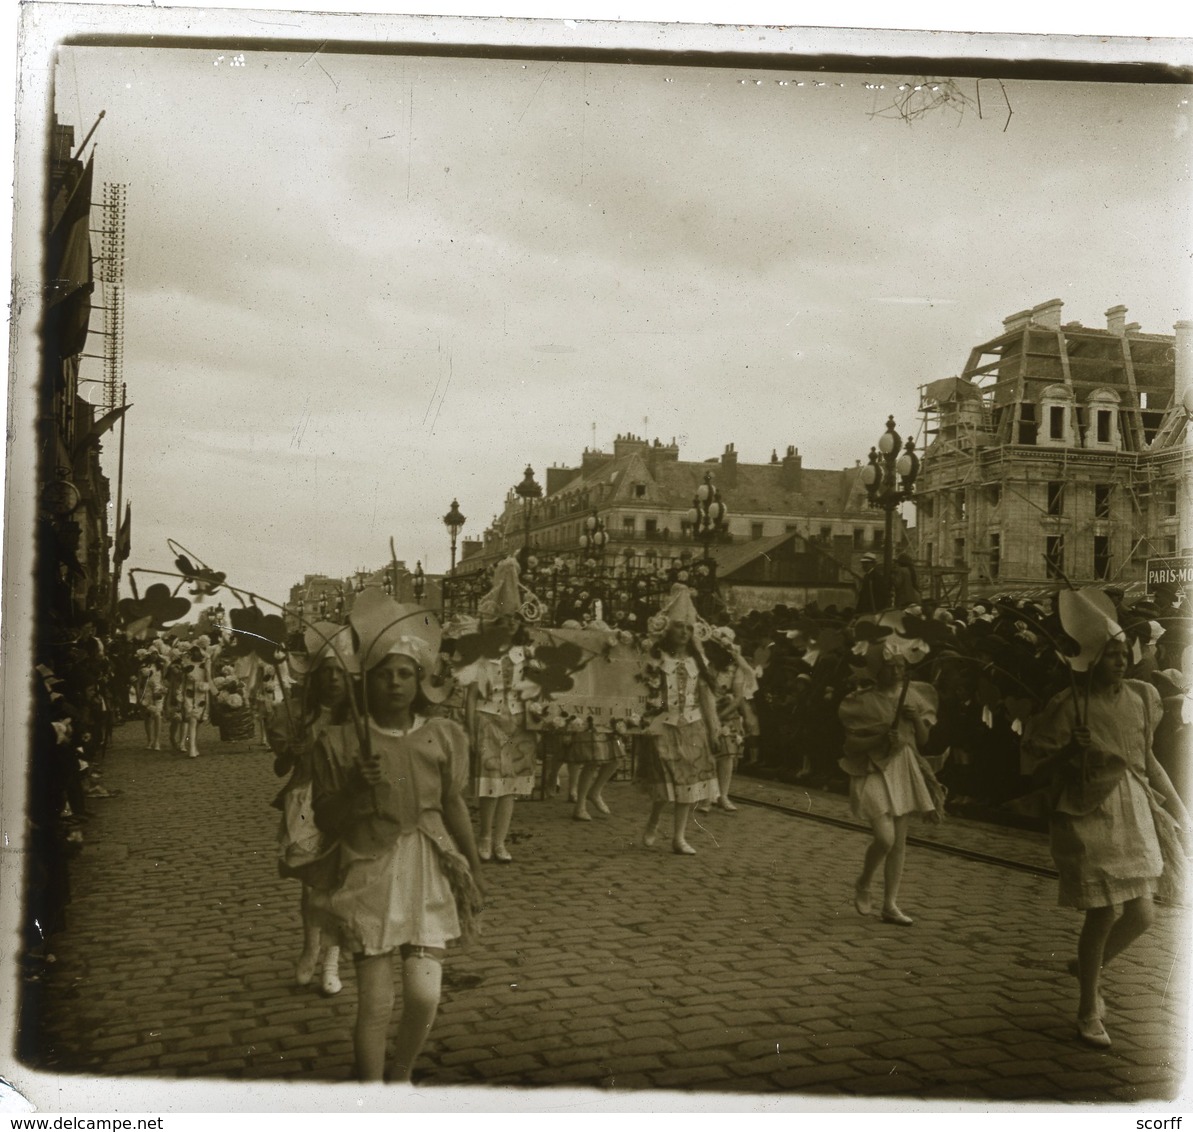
column 862, row 536
column 1056, row 495
column 1054, row 554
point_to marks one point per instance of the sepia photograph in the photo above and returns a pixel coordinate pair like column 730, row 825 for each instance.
column 646, row 563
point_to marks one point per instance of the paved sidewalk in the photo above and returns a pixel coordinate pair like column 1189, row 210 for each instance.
column 744, row 969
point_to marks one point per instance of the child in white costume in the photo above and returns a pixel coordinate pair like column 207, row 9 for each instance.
column 505, row 750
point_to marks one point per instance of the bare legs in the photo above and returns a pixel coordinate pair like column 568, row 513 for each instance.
column 190, row 737
column 153, row 731
column 1103, row 936
column 679, row 844
column 683, row 811
column 888, row 849
column 422, row 979
column 421, row 982
column 725, row 765
column 495, row 816
column 374, row 1007
column 593, row 777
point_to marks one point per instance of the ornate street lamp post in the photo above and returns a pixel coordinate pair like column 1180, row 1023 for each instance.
column 708, row 518
column 528, row 491
column 593, row 536
column 453, row 520
column 889, row 479
column 593, row 540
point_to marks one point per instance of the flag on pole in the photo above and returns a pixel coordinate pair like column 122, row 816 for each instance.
column 100, row 427
column 124, row 536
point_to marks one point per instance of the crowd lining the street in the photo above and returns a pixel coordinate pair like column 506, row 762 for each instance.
column 1073, row 713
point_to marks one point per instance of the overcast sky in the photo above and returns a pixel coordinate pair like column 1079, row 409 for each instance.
column 357, row 286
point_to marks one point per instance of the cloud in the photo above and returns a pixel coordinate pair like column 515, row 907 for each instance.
column 358, row 286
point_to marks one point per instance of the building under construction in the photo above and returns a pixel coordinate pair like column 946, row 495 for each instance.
column 1060, row 453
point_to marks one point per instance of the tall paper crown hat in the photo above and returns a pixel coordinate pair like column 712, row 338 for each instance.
column 1087, row 615
column 384, row 627
column 680, row 607
column 325, row 643
column 504, row 599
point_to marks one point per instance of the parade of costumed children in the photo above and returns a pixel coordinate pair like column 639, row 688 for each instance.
column 591, row 750
column 678, row 765
column 504, row 749
column 304, row 851
column 389, row 786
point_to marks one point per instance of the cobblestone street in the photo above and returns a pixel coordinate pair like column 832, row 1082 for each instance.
column 744, row 969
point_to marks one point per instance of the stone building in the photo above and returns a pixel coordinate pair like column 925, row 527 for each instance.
column 72, row 538
column 1059, row 452
column 319, row 597
column 641, row 491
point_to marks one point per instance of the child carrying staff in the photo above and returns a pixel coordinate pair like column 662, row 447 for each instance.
column 391, row 787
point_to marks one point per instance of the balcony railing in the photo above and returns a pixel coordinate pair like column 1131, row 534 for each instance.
column 618, row 592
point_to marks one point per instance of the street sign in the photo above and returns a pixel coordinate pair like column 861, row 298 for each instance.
column 1171, row 571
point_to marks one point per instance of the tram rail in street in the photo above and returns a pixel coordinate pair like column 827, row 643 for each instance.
column 919, row 842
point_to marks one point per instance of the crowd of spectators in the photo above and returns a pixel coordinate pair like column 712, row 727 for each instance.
column 82, row 688
column 994, row 664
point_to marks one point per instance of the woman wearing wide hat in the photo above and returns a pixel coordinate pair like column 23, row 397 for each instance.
column 1118, row 829
column 505, row 750
column 679, row 766
column 390, row 786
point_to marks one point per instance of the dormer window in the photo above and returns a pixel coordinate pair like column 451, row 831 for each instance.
column 1056, row 417
column 1056, row 422
column 1102, row 412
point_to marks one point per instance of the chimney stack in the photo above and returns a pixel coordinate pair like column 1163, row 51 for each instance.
column 729, row 466
column 789, row 474
column 1047, row 314
column 1015, row 321
column 1116, row 320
